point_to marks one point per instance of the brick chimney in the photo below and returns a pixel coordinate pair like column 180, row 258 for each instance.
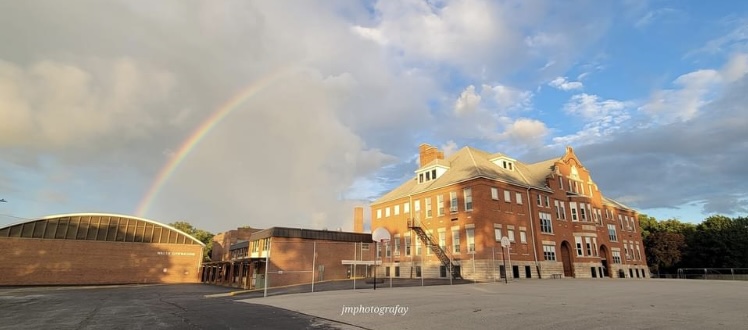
column 427, row 153
column 358, row 219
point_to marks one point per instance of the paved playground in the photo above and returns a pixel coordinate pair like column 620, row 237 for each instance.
column 534, row 304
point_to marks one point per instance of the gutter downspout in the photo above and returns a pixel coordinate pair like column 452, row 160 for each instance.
column 532, row 230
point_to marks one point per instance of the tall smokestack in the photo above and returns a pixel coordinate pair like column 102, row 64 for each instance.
column 358, row 219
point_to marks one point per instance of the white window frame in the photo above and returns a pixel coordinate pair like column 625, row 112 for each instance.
column 456, row 240
column 495, row 193
column 522, row 236
column 507, row 196
column 454, row 205
column 470, row 236
column 440, row 205
column 549, row 252
column 468, row 195
column 429, row 209
column 518, row 196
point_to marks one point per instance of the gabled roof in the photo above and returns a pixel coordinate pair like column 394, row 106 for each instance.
column 470, row 163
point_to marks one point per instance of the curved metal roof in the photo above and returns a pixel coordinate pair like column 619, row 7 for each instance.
column 70, row 215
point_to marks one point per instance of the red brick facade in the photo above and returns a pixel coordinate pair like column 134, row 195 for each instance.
column 82, row 249
column 533, row 240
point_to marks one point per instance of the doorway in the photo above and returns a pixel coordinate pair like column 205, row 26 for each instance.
column 604, row 260
column 566, row 259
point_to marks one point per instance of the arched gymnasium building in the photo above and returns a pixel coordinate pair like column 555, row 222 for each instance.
column 96, row 248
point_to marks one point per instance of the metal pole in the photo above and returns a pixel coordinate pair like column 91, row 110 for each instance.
column 503, row 257
column 493, row 262
column 314, row 263
column 422, row 268
column 392, row 260
column 509, row 256
column 375, row 264
column 267, row 265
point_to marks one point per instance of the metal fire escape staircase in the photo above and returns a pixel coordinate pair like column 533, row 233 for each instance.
column 425, row 235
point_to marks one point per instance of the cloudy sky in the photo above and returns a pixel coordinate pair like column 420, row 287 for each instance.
column 96, row 97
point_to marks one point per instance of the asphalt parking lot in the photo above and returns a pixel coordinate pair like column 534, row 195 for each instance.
column 529, row 304
column 142, row 307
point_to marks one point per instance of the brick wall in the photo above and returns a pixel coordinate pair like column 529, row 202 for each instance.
column 29, row 261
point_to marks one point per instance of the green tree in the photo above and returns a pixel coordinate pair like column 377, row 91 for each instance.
column 199, row 234
column 664, row 250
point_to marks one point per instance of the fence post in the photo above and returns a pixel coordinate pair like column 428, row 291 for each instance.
column 732, row 271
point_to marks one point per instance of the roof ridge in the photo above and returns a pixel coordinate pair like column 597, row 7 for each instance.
column 474, row 163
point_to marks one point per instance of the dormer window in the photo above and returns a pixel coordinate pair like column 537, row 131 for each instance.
column 431, row 173
column 504, row 162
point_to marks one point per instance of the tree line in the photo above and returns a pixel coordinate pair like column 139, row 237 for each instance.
column 717, row 242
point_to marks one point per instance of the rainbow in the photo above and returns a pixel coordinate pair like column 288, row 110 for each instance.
column 201, row 131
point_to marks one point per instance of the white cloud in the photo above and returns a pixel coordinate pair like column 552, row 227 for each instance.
column 449, row 148
column 508, row 98
column 529, row 132
column 467, row 102
column 591, row 107
column 695, row 90
column 565, row 85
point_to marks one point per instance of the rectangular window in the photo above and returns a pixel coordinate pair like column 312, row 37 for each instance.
column 588, row 245
column 582, row 213
column 547, row 201
column 546, row 226
column 539, row 200
column 379, row 251
column 364, row 246
column 407, row 245
column 620, row 220
column 519, row 198
column 406, row 207
column 561, row 183
column 616, row 257
column 379, row 213
column 558, row 210
column 387, row 212
column 397, row 209
column 549, row 252
column 417, row 207
column 612, row 233
column 522, row 236
column 388, row 249
column 440, row 205
column 638, row 253
column 497, row 233
column 431, row 239
column 573, row 207
column 468, row 194
column 443, row 239
column 420, row 178
column 563, row 210
column 510, row 234
column 418, row 247
column 455, row 241
column 429, row 211
column 453, row 202
column 579, row 249
column 397, row 245
column 470, row 234
column 495, row 193
column 507, row 196
column 594, row 246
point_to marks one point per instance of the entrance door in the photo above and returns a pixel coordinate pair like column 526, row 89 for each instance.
column 604, row 261
column 566, row 259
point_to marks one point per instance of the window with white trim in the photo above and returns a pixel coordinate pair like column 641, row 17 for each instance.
column 379, row 213
column 519, row 198
column 468, row 194
column 453, row 207
column 539, row 200
column 547, row 201
column 494, row 193
column 612, row 233
column 594, row 246
column 507, row 196
column 522, row 236
column 443, row 239
column 429, row 210
column 546, row 226
column 578, row 241
column 407, row 244
column 440, row 205
column 497, row 233
column 573, row 207
column 588, row 245
column 455, row 240
column 417, row 207
column 510, row 234
column 406, row 207
column 638, row 253
column 616, row 257
column 397, row 245
column 582, row 213
column 419, row 251
column 470, row 234
column 549, row 252
column 396, row 209
column 387, row 212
